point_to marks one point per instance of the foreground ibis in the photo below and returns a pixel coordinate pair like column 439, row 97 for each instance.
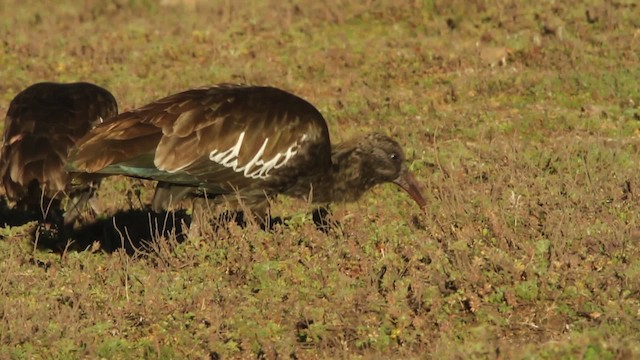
column 240, row 142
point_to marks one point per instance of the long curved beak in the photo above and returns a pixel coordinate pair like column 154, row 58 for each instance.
column 408, row 183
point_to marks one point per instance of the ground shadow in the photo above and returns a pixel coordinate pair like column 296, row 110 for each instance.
column 131, row 229
column 14, row 217
column 128, row 230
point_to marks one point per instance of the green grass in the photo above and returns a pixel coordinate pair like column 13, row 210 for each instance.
column 520, row 120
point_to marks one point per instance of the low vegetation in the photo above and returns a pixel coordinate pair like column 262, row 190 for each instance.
column 520, row 119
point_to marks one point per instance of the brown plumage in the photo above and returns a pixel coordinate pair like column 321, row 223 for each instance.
column 42, row 123
column 246, row 141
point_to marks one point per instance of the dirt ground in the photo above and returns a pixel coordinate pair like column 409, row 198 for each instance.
column 520, row 119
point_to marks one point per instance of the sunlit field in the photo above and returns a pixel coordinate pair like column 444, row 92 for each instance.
column 521, row 121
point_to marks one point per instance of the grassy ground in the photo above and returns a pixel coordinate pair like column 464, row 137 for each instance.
column 521, row 120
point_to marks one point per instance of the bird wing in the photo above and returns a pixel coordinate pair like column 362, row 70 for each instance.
column 223, row 138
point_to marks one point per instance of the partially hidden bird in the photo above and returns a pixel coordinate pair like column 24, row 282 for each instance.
column 240, row 143
column 42, row 123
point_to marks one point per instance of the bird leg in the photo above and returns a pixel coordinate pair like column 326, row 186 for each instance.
column 168, row 195
column 200, row 218
column 78, row 201
column 256, row 212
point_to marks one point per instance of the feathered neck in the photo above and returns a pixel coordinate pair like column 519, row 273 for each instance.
column 347, row 179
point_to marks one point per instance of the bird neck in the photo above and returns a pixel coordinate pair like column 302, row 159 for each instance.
column 345, row 182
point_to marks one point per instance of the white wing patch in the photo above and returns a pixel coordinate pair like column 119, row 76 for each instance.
column 257, row 167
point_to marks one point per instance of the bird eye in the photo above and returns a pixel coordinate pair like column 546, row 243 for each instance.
column 395, row 156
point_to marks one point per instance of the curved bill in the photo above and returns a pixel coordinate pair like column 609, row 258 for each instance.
column 408, row 183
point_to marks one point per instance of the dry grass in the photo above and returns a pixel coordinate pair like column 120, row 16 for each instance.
column 521, row 120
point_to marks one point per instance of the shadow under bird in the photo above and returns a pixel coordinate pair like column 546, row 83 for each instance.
column 240, row 142
column 43, row 122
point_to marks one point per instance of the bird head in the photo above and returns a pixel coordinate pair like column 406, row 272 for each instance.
column 384, row 161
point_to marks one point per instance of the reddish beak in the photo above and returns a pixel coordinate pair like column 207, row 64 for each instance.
column 409, row 184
